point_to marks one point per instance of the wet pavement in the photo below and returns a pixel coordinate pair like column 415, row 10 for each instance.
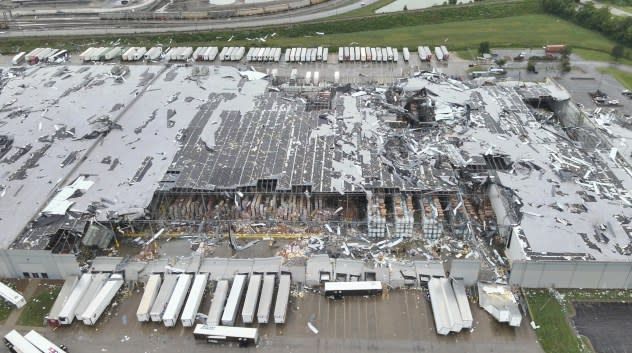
column 607, row 325
column 399, row 321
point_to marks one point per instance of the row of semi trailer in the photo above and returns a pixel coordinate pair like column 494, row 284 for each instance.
column 32, row 342
column 316, row 54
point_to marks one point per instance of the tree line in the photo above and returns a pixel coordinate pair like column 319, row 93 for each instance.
column 617, row 28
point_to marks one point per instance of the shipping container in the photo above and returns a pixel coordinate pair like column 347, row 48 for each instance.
column 288, row 51
column 67, row 313
column 341, row 54
column 293, row 75
column 336, row 77
column 212, row 53
column 312, row 55
column 53, row 317
column 43, row 56
column 282, row 299
column 319, row 53
column 438, row 53
column 357, row 53
column 389, row 54
column 316, row 78
column 325, row 54
column 373, row 54
column 234, row 300
column 297, row 55
column 127, row 53
column 18, row 344
column 170, row 316
column 217, row 303
column 395, row 55
column 42, row 343
column 18, row 58
column 85, row 55
column 222, row 54
column 303, row 55
column 113, row 53
column 352, row 56
column 138, row 54
column 153, row 53
column 198, row 53
column 240, row 53
column 98, row 280
column 251, row 300
column 308, row 78
column 149, row 296
column 367, row 52
column 190, row 310
column 13, row 297
column 406, row 54
column 428, row 53
column 277, row 55
column 102, row 299
column 378, row 52
column 384, row 55
column 363, row 54
column 162, row 299
column 346, row 56
column 249, row 55
column 446, row 53
column 265, row 301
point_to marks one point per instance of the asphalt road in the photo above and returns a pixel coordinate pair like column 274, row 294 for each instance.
column 44, row 29
column 607, row 325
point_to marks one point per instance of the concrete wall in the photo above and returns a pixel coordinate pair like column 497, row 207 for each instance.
column 467, row 270
column 17, row 263
column 571, row 274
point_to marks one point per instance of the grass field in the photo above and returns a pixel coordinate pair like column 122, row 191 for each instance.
column 526, row 31
column 38, row 307
column 5, row 310
column 555, row 333
column 624, row 78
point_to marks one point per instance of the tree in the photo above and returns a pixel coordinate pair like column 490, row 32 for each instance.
column 405, row 8
column 566, row 51
column 500, row 62
column 530, row 66
column 452, row 2
column 617, row 52
column 483, row 48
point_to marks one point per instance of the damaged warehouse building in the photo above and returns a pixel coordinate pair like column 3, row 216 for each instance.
column 428, row 168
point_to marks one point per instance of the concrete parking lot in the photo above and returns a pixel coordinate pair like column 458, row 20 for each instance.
column 400, row 321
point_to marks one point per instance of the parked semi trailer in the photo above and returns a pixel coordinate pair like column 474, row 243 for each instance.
column 252, row 299
column 149, row 296
column 170, row 316
column 98, row 280
column 15, row 342
column 265, row 300
column 43, row 344
column 67, row 313
column 282, row 299
column 233, row 301
column 195, row 299
column 53, row 317
column 11, row 296
column 162, row 299
column 102, row 299
column 217, row 304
